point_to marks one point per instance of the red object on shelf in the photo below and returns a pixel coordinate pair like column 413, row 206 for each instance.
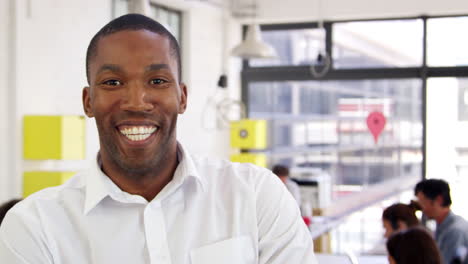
column 307, row 220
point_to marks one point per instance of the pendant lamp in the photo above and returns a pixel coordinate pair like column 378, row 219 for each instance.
column 253, row 46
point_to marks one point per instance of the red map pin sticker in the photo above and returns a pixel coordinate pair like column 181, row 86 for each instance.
column 376, row 123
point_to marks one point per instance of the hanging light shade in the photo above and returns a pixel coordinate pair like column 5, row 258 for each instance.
column 141, row 7
column 253, row 45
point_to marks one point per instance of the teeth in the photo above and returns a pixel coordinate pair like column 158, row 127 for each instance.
column 137, row 137
column 138, row 133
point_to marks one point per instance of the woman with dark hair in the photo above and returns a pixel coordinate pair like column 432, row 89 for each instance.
column 413, row 246
column 399, row 217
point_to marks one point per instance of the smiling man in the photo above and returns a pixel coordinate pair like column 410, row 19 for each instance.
column 135, row 95
column 145, row 199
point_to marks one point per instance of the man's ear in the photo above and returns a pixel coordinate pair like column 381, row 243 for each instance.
column 183, row 98
column 439, row 200
column 87, row 101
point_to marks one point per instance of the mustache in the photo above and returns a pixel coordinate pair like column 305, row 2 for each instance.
column 138, row 115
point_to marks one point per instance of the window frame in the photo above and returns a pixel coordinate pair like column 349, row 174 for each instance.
column 302, row 72
column 158, row 6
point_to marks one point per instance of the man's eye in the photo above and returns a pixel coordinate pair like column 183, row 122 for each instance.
column 157, row 81
column 112, row 82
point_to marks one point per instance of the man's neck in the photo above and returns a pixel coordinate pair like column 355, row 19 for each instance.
column 147, row 185
column 443, row 214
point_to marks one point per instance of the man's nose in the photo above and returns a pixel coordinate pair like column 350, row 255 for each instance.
column 136, row 99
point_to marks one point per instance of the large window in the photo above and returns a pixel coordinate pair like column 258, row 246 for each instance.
column 294, row 47
column 447, row 127
column 321, row 125
column 374, row 44
column 446, row 41
column 412, row 70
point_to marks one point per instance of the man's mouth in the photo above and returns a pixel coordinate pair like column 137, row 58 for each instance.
column 137, row 133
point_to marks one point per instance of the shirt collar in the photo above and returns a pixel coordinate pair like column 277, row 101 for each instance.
column 447, row 221
column 186, row 168
column 96, row 189
column 99, row 186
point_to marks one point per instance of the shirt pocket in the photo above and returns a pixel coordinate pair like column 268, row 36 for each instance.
column 238, row 250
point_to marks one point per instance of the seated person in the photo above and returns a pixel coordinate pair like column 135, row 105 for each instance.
column 451, row 232
column 399, row 217
column 283, row 173
column 413, row 246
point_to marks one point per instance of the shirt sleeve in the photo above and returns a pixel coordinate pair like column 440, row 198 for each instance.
column 21, row 239
column 283, row 235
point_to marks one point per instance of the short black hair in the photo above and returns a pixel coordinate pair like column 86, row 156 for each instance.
column 434, row 187
column 280, row 170
column 132, row 22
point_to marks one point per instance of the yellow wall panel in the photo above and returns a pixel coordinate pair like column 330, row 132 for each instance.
column 258, row 159
column 249, row 134
column 34, row 181
column 53, row 137
column 73, row 137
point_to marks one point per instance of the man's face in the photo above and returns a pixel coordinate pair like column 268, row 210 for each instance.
column 135, row 97
column 428, row 206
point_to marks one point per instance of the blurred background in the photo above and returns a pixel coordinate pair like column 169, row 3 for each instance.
column 325, row 67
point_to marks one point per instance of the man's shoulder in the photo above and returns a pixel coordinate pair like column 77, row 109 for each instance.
column 221, row 170
column 60, row 195
column 460, row 224
column 226, row 167
column 457, row 228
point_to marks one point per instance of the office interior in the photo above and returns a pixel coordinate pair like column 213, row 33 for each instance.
column 335, row 62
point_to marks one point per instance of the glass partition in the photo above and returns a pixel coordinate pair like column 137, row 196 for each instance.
column 294, row 47
column 378, row 44
column 447, row 41
column 320, row 126
column 447, row 127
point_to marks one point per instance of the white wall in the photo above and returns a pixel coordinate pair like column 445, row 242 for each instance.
column 48, row 69
column 306, row 10
column 208, row 36
column 4, row 96
column 209, row 33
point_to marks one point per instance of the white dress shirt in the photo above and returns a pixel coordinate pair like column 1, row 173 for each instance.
column 213, row 211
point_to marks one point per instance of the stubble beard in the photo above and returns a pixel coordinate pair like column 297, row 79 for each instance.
column 139, row 166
